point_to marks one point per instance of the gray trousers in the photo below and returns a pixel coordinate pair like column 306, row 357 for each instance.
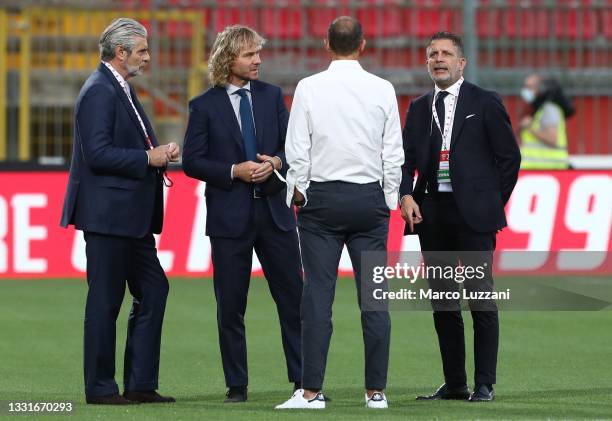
column 339, row 213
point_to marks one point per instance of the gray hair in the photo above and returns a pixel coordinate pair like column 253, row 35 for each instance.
column 121, row 32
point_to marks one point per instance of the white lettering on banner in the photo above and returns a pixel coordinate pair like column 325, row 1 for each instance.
column 24, row 233
column 198, row 254
column 78, row 257
column 532, row 211
column 166, row 257
column 589, row 211
column 3, row 232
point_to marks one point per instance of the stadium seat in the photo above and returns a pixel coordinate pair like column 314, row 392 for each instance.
column 231, row 12
column 380, row 18
column 574, row 21
column 321, row 13
column 606, row 22
column 282, row 19
column 430, row 16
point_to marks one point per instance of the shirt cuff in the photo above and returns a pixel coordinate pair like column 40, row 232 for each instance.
column 232, row 172
column 148, row 158
column 391, row 200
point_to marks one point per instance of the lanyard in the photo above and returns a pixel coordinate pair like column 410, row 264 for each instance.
column 449, row 116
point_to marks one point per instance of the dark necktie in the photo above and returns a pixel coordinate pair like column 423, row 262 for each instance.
column 436, row 144
column 440, row 108
column 248, row 127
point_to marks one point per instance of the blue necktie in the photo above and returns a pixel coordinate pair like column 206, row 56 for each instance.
column 248, row 128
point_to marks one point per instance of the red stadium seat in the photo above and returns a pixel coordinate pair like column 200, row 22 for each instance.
column 231, row 12
column 282, row 19
column 574, row 21
column 606, row 22
column 380, row 18
column 429, row 16
column 322, row 13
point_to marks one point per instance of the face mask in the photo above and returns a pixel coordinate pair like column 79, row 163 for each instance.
column 528, row 95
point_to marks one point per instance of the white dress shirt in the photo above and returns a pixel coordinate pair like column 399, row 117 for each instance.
column 450, row 107
column 344, row 126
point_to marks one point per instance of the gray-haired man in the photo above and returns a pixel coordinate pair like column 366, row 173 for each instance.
column 114, row 196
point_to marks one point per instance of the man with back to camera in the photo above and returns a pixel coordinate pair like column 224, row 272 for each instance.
column 234, row 141
column 459, row 139
column 344, row 151
column 114, row 196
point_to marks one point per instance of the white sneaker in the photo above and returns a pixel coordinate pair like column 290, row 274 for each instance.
column 378, row 401
column 297, row 401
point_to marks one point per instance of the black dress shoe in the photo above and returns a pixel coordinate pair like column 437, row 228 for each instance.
column 236, row 394
column 115, row 399
column 482, row 393
column 445, row 392
column 148, row 396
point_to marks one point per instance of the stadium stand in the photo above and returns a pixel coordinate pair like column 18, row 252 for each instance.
column 51, row 47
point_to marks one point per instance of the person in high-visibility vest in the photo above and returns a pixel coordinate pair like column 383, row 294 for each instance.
column 543, row 133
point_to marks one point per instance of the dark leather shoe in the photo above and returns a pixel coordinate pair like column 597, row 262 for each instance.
column 482, row 393
column 236, row 394
column 115, row 399
column 445, row 392
column 148, row 396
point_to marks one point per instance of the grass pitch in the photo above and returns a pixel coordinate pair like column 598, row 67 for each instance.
column 552, row 365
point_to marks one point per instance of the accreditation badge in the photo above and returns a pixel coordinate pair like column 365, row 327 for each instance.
column 443, row 169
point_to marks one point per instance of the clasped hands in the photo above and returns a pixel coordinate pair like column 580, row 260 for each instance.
column 163, row 154
column 256, row 172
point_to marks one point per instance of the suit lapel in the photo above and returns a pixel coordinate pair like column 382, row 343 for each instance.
column 124, row 99
column 462, row 110
column 144, row 117
column 227, row 115
column 258, row 113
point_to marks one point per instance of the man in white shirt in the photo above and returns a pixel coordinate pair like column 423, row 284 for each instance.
column 344, row 150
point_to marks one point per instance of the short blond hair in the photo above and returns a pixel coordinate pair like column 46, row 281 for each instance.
column 226, row 49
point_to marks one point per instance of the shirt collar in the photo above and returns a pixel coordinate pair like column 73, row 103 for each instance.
column 117, row 75
column 344, row 64
column 231, row 89
column 453, row 89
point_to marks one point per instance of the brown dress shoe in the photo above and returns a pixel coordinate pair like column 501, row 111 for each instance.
column 148, row 396
column 115, row 399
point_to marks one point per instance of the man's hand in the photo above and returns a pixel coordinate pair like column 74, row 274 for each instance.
column 411, row 212
column 268, row 164
column 298, row 198
column 173, row 151
column 158, row 157
column 245, row 170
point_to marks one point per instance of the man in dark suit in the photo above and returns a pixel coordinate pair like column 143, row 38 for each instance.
column 459, row 139
column 114, row 196
column 234, row 141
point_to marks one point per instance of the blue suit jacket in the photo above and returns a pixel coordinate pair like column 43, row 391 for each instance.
column 111, row 189
column 213, row 143
column 484, row 156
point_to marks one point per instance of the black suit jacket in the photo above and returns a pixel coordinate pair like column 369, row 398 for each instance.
column 213, row 143
column 111, row 188
column 484, row 156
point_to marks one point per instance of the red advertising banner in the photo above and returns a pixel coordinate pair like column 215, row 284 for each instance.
column 549, row 211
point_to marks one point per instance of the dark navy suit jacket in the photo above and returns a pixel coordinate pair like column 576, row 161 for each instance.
column 484, row 156
column 213, row 143
column 111, row 189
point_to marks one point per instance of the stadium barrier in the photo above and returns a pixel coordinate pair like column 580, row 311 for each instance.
column 549, row 211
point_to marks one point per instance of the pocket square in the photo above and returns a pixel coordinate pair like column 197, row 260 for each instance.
column 471, row 115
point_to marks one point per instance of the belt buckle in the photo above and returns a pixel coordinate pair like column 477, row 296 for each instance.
column 256, row 194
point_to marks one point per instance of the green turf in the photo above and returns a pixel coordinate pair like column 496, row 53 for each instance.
column 552, row 364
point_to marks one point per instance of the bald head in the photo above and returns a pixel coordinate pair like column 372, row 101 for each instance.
column 344, row 36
